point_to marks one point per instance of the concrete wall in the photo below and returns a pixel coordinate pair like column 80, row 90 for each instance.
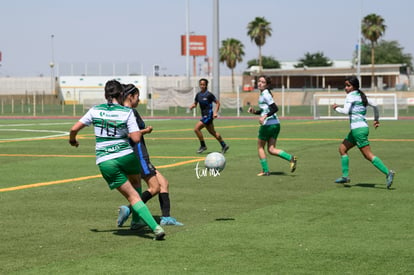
column 25, row 85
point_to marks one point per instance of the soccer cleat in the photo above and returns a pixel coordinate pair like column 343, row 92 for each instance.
column 159, row 233
column 138, row 225
column 261, row 174
column 224, row 149
column 123, row 215
column 343, row 180
column 201, row 149
column 169, row 221
column 293, row 162
column 390, row 178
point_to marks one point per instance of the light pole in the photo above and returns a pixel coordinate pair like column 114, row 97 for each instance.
column 52, row 65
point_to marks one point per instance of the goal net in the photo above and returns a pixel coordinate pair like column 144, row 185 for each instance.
column 386, row 102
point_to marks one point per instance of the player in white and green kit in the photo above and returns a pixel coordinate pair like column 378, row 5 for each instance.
column 119, row 166
column 269, row 127
column 355, row 106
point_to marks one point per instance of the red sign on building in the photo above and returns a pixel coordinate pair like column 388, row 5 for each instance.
column 198, row 45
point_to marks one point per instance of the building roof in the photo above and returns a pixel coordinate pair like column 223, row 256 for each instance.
column 380, row 70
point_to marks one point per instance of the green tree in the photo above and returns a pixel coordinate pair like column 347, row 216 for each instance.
column 372, row 29
column 268, row 62
column 317, row 59
column 258, row 30
column 387, row 52
column 231, row 52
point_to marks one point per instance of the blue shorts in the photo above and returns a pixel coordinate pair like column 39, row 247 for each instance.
column 207, row 120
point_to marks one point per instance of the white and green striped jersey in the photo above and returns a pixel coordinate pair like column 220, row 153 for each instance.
column 112, row 123
column 355, row 109
column 265, row 100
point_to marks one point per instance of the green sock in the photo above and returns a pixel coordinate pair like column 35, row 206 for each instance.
column 345, row 165
column 263, row 163
column 142, row 210
column 135, row 216
column 380, row 165
column 285, row 155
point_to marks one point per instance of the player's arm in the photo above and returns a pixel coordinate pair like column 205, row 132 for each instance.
column 134, row 132
column 74, row 131
column 216, row 109
column 272, row 109
column 376, row 112
column 253, row 111
column 192, row 106
column 344, row 110
column 135, row 136
column 147, row 130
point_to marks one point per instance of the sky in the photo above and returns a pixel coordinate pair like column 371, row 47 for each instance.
column 147, row 32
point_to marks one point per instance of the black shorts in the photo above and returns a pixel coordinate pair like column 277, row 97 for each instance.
column 147, row 169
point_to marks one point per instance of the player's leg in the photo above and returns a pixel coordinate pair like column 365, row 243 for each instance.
column 138, row 206
column 164, row 199
column 115, row 173
column 262, row 157
column 148, row 172
column 197, row 130
column 124, row 211
column 377, row 162
column 218, row 137
column 343, row 149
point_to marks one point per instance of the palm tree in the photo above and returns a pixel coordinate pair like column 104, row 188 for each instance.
column 231, row 52
column 258, row 30
column 372, row 29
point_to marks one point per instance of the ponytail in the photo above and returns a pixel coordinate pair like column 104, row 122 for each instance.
column 363, row 98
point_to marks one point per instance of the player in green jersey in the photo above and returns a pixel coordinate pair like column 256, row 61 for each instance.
column 269, row 127
column 119, row 166
column 355, row 106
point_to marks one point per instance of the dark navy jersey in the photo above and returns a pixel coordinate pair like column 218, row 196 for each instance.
column 142, row 147
column 205, row 100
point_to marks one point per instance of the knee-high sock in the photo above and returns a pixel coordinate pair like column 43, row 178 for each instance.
column 263, row 163
column 146, row 196
column 285, row 155
column 345, row 165
column 142, row 210
column 135, row 216
column 164, row 199
column 380, row 165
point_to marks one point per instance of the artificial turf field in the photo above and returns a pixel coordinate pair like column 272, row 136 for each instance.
column 58, row 215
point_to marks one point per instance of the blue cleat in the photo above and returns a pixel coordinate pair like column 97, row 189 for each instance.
column 123, row 215
column 170, row 221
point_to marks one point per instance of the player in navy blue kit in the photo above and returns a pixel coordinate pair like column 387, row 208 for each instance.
column 206, row 100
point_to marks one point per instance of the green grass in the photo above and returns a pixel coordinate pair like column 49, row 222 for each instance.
column 300, row 223
column 79, row 109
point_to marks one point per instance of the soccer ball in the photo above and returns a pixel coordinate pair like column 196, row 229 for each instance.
column 215, row 160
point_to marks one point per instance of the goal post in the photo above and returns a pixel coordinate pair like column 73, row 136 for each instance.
column 386, row 102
